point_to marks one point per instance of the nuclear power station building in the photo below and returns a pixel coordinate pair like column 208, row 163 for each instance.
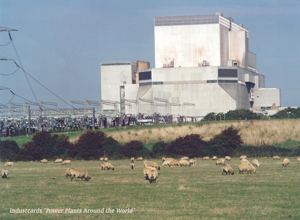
column 202, row 65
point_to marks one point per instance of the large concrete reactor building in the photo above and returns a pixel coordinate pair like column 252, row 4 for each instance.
column 202, row 65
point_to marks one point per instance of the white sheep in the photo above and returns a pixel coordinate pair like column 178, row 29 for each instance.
column 101, row 159
column 184, row 158
column 205, row 158
column 244, row 161
column 246, row 167
column 66, row 162
column 68, row 173
column 105, row 159
column 220, row 161
column 132, row 159
column 192, row 161
column 166, row 163
column 243, row 157
column 4, row 173
column 227, row 158
column 9, row 164
column 139, row 159
column 214, row 158
column 77, row 173
column 44, row 161
column 298, row 159
column 184, row 163
column 151, row 164
column 276, row 158
column 132, row 164
column 145, row 171
column 286, row 162
column 227, row 169
column 255, row 163
column 107, row 166
column 152, row 175
column 174, row 163
column 58, row 161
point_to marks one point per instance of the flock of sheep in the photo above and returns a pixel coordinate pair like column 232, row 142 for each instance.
column 151, row 168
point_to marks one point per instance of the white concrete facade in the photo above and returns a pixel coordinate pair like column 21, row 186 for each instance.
column 202, row 65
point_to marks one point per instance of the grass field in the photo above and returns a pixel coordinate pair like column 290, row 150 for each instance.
column 198, row 192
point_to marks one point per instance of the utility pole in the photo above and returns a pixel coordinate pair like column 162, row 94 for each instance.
column 29, row 120
column 93, row 123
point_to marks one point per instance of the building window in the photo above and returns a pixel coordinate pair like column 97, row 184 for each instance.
column 145, row 75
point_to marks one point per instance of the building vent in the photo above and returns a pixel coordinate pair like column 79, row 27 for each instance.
column 235, row 63
column 169, row 65
column 204, row 63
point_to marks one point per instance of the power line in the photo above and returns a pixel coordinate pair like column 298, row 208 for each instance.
column 9, row 74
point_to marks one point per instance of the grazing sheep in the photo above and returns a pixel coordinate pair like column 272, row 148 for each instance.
column 164, row 159
column 192, row 161
column 58, row 161
column 9, row 164
column 139, row 159
column 44, row 161
column 214, row 158
column 4, row 173
column 66, row 162
column 286, row 162
column 298, row 159
column 243, row 157
column 184, row 163
column 227, row 169
column 146, row 171
column 220, row 161
column 276, row 158
column 174, row 163
column 132, row 164
column 227, row 158
column 166, row 163
column 205, row 158
column 255, row 163
column 152, row 175
column 244, row 161
column 105, row 159
column 184, row 158
column 101, row 159
column 108, row 166
column 151, row 164
column 132, row 159
column 77, row 173
column 68, row 172
column 246, row 167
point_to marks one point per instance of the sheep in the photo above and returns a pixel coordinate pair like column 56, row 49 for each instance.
column 220, row 161
column 166, row 163
column 44, row 161
column 227, row 169
column 205, row 158
column 184, row 158
column 105, row 159
column 243, row 157
column 101, row 159
column 68, row 173
column 184, row 163
column 146, row 170
column 227, row 158
column 9, row 164
column 139, row 159
column 192, row 161
column 132, row 164
column 286, row 162
column 152, row 175
column 164, row 159
column 246, row 167
column 255, row 163
column 276, row 158
column 132, row 159
column 214, row 158
column 244, row 161
column 4, row 173
column 58, row 161
column 77, row 173
column 66, row 162
column 151, row 164
column 174, row 163
column 108, row 166
column 298, row 159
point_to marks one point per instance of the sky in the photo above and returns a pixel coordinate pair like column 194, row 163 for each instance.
column 62, row 43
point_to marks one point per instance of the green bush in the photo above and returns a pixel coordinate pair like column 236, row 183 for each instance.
column 160, row 149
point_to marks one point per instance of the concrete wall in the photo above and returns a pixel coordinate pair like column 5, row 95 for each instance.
column 187, row 45
column 237, row 48
column 266, row 97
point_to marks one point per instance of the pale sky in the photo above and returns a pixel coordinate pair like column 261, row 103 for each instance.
column 62, row 43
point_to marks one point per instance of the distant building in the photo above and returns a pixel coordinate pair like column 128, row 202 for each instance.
column 202, row 65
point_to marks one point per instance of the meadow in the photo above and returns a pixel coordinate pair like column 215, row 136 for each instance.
column 197, row 192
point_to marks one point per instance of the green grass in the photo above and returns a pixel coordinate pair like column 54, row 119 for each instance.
column 289, row 145
column 198, row 192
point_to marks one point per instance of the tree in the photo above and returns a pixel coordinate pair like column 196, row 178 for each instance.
column 8, row 150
